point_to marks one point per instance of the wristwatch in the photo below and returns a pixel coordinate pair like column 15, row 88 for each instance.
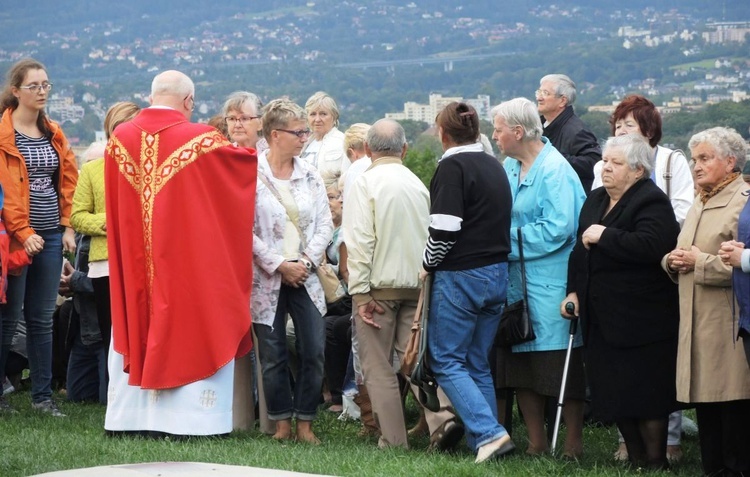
column 308, row 264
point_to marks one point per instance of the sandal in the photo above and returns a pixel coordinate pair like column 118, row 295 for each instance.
column 447, row 436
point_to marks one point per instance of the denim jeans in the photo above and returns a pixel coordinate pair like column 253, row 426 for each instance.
column 87, row 371
column 32, row 295
column 310, row 331
column 464, row 315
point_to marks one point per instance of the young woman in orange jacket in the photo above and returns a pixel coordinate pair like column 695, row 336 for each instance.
column 38, row 173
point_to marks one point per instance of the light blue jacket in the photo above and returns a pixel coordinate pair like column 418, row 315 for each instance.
column 546, row 205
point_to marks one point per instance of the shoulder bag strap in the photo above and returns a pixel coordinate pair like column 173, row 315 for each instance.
column 668, row 172
column 276, row 194
column 523, row 268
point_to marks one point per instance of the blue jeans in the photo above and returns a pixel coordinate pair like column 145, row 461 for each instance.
column 310, row 330
column 32, row 296
column 464, row 315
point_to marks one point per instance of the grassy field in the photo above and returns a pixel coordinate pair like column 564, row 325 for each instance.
column 31, row 443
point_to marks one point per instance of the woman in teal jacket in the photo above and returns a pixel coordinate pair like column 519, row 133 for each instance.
column 547, row 198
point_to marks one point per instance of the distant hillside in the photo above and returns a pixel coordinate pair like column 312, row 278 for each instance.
column 372, row 56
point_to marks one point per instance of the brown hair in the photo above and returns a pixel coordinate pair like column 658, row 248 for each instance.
column 460, row 122
column 16, row 75
column 645, row 114
column 117, row 114
column 217, row 121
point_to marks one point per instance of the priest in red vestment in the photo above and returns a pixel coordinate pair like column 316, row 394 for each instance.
column 180, row 203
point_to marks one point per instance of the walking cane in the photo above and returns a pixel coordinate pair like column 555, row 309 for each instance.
column 570, row 309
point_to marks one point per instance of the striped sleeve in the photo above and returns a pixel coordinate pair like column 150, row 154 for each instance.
column 443, row 233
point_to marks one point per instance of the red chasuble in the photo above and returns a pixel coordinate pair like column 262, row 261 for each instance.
column 180, row 206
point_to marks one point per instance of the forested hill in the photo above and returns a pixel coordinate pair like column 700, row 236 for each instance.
column 372, row 56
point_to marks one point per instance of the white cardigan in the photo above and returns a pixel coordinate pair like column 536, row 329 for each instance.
column 681, row 186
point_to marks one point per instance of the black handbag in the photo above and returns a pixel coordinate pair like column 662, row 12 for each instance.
column 515, row 323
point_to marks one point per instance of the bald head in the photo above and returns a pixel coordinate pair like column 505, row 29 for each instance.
column 385, row 138
column 173, row 89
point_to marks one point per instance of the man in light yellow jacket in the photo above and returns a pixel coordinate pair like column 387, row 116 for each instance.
column 385, row 227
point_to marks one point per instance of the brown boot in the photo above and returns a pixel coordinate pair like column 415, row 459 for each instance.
column 369, row 426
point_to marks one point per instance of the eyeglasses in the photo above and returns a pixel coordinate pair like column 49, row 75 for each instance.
column 544, row 93
column 300, row 133
column 192, row 102
column 37, row 88
column 242, row 119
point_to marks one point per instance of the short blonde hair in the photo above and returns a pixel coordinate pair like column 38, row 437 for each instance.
column 355, row 137
column 324, row 101
column 278, row 113
column 119, row 113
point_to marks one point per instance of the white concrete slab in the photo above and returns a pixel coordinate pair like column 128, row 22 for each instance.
column 174, row 469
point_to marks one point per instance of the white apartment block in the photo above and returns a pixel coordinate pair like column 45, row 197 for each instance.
column 427, row 112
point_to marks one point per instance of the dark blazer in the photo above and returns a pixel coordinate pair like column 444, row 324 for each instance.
column 619, row 281
column 576, row 143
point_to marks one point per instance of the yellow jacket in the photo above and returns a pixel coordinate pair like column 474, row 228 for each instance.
column 88, row 215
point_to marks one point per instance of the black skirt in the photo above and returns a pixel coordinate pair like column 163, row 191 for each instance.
column 636, row 382
column 541, row 372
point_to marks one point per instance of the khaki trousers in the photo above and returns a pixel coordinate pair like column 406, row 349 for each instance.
column 376, row 348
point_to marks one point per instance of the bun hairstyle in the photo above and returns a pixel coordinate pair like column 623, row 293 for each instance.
column 459, row 122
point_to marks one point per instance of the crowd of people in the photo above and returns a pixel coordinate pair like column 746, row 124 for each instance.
column 201, row 284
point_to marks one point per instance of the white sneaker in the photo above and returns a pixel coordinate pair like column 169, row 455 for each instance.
column 495, row 449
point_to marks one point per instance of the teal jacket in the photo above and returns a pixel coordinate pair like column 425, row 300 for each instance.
column 546, row 205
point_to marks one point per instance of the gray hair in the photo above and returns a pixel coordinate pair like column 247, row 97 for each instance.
column 726, row 142
column 386, row 137
column 172, row 82
column 637, row 152
column 236, row 100
column 520, row 112
column 324, row 101
column 564, row 86
column 279, row 113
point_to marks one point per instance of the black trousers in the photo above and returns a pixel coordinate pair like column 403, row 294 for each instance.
column 103, row 309
column 724, row 434
column 338, row 347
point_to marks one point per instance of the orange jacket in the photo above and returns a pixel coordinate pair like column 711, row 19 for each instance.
column 15, row 180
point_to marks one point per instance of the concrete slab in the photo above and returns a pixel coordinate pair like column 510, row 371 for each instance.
column 174, row 469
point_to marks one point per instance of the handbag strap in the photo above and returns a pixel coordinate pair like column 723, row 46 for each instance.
column 276, row 194
column 523, row 267
column 668, row 171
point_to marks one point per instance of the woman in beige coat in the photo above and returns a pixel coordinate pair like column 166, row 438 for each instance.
column 712, row 372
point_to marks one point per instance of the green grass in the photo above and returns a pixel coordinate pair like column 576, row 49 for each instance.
column 31, row 443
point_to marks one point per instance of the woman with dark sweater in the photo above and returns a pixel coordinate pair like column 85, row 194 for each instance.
column 467, row 250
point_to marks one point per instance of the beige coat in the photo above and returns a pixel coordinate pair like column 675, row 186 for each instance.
column 711, row 366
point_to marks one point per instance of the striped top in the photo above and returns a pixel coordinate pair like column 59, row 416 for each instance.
column 42, row 162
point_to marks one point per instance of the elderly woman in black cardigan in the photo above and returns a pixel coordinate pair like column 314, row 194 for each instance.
column 629, row 308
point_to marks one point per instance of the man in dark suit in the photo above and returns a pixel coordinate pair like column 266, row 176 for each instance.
column 566, row 131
